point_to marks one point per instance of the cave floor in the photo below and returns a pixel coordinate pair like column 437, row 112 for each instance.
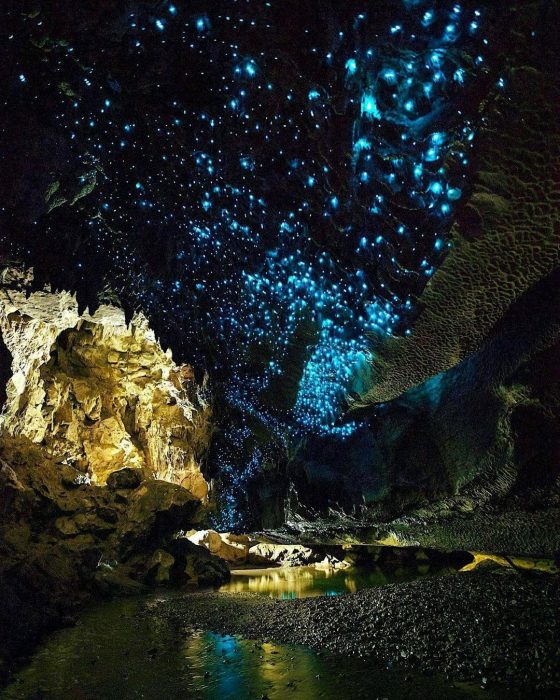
column 437, row 637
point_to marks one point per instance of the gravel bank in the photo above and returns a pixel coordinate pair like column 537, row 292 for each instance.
column 474, row 626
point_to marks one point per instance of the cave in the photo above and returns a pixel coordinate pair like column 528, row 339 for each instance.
column 279, row 349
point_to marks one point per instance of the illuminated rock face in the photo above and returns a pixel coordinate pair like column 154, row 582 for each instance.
column 100, row 395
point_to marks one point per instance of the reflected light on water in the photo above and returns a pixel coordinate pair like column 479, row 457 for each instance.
column 306, row 581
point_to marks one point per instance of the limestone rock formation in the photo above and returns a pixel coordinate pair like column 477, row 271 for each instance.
column 506, row 240
column 98, row 394
column 102, row 437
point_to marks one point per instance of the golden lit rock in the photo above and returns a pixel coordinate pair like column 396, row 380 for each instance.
column 101, row 395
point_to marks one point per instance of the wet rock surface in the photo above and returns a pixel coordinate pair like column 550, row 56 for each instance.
column 63, row 541
column 482, row 626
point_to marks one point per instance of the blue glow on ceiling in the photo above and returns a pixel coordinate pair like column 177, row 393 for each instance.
column 302, row 202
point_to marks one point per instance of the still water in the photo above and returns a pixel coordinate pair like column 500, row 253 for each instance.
column 306, row 581
column 114, row 653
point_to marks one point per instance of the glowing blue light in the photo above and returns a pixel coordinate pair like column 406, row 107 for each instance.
column 435, row 59
column 431, row 155
column 445, row 208
column 369, row 107
column 436, row 188
column 310, row 181
column 362, row 144
column 409, row 105
column 202, row 23
column 172, row 10
column 246, row 163
column 428, row 18
column 250, row 69
column 364, row 177
column 22, row 78
column 351, row 66
column 454, row 193
column 389, row 76
column 438, row 245
column 313, row 94
column 334, row 202
column 459, row 76
column 160, row 25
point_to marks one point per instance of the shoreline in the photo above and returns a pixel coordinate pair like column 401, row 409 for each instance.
column 486, row 627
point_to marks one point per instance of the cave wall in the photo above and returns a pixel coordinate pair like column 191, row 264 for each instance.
column 460, row 446
column 102, row 441
column 99, row 394
column 469, row 459
column 506, row 239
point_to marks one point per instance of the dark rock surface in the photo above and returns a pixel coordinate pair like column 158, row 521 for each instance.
column 63, row 541
column 468, row 460
column 486, row 627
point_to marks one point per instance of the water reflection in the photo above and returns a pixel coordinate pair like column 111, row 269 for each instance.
column 306, row 581
column 114, row 653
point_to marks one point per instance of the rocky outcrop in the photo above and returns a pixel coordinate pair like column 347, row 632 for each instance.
column 469, row 459
column 63, row 540
column 102, row 437
column 98, row 394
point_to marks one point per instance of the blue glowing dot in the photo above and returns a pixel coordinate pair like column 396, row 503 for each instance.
column 369, row 107
column 428, row 18
column 409, row 105
column 202, row 23
column 250, row 69
column 172, row 10
column 22, row 78
column 459, row 76
column 334, row 202
column 160, row 25
column 389, row 76
column 454, row 193
column 436, row 188
column 362, row 144
column 351, row 66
